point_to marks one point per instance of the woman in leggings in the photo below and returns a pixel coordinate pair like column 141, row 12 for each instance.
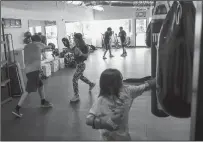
column 81, row 52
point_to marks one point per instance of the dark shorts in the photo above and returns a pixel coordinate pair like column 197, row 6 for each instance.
column 33, row 81
column 107, row 46
column 123, row 42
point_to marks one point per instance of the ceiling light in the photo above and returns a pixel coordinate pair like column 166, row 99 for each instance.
column 74, row 2
column 99, row 8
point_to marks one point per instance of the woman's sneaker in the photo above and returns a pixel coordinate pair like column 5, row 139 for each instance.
column 111, row 56
column 17, row 113
column 46, row 104
column 104, row 58
column 92, row 86
column 75, row 99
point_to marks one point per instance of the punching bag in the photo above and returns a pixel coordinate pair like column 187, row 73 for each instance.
column 175, row 59
column 159, row 13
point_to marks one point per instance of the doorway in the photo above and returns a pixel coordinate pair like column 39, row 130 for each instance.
column 140, row 30
column 51, row 35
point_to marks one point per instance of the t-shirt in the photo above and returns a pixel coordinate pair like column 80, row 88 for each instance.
column 107, row 36
column 103, row 106
column 79, row 58
column 122, row 35
column 32, row 56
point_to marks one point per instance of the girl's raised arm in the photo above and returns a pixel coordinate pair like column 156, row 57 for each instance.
column 136, row 91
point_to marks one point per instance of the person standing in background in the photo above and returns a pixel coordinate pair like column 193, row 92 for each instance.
column 107, row 40
column 122, row 35
column 43, row 38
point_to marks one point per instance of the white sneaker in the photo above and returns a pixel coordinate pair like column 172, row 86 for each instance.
column 17, row 113
column 75, row 98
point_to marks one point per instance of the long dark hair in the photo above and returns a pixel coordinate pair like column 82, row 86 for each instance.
column 79, row 40
column 66, row 42
column 110, row 82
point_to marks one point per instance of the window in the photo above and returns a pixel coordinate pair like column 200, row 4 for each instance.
column 51, row 35
column 31, row 30
column 38, row 29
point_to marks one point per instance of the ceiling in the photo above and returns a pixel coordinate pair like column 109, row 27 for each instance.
column 97, row 5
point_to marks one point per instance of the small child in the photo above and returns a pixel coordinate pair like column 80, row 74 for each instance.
column 110, row 112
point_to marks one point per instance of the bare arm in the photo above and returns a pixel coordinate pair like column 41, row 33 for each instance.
column 136, row 91
column 44, row 47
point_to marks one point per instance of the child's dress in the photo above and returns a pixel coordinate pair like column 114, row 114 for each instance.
column 103, row 106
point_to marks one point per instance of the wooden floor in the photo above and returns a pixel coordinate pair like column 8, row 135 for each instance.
column 67, row 122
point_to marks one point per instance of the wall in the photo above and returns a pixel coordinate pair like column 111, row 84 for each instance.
column 111, row 13
column 57, row 14
column 34, row 23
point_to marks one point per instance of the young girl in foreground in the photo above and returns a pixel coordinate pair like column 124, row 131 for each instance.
column 110, row 112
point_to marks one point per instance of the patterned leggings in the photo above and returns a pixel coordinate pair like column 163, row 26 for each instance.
column 79, row 75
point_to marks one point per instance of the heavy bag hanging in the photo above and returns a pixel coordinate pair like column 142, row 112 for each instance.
column 175, row 51
column 159, row 14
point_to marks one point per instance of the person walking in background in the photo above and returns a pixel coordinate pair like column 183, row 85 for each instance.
column 107, row 40
column 122, row 35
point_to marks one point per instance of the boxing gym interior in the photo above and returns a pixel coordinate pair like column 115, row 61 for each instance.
column 163, row 40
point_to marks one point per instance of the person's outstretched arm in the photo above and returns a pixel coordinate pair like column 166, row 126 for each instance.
column 136, row 91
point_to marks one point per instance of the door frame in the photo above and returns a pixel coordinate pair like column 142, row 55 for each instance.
column 136, row 31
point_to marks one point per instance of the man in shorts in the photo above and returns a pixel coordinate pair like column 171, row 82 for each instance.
column 32, row 59
column 122, row 35
column 107, row 40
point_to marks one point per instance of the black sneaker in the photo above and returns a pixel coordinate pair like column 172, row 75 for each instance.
column 17, row 113
column 92, row 86
column 104, row 58
column 46, row 104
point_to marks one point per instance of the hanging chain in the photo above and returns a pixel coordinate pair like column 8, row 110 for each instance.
column 179, row 13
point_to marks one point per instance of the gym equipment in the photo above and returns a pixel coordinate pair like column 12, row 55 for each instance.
column 197, row 97
column 175, row 59
column 69, row 60
column 159, row 14
column 5, row 77
column 17, row 82
column 27, row 34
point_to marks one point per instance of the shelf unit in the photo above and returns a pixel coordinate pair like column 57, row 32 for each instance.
column 5, row 81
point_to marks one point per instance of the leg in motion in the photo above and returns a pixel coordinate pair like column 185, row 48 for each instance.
column 16, row 111
column 109, row 47
column 76, row 77
column 87, row 81
column 44, row 102
column 106, row 46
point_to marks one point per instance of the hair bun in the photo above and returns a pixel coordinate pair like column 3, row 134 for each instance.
column 78, row 35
